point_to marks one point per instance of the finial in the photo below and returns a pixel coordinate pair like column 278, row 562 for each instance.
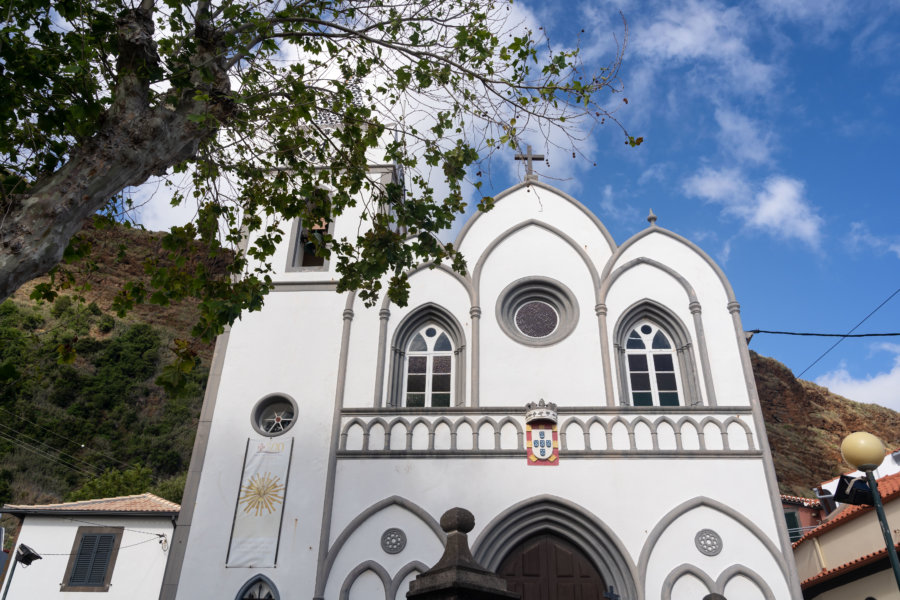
column 651, row 218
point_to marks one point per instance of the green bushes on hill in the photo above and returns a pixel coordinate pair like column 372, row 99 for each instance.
column 81, row 413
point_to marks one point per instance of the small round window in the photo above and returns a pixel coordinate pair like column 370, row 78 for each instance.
column 274, row 415
column 536, row 319
column 537, row 311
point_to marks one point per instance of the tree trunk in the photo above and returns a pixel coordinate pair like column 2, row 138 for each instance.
column 135, row 141
column 39, row 225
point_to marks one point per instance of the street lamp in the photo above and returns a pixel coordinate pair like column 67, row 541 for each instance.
column 24, row 555
column 865, row 452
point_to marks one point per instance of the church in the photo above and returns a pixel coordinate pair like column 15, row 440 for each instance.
column 591, row 402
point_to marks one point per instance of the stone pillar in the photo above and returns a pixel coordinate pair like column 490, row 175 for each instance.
column 457, row 576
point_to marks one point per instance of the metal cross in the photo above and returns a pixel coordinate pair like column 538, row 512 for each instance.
column 528, row 157
column 611, row 594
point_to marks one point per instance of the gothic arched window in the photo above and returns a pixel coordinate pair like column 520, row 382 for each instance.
column 428, row 374
column 258, row 588
column 428, row 360
column 655, row 358
column 652, row 366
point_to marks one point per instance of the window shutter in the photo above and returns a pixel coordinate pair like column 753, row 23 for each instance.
column 83, row 560
column 105, row 545
column 92, row 560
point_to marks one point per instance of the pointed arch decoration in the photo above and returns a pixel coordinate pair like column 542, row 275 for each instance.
column 704, row 501
column 681, row 339
column 324, row 569
column 550, row 514
column 403, row 335
column 369, row 565
column 254, row 581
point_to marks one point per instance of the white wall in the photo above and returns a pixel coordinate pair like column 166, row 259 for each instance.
column 139, row 567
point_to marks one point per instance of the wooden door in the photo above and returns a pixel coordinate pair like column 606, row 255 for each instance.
column 546, row 567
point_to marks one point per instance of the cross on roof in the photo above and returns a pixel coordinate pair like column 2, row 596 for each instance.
column 528, row 157
column 611, row 594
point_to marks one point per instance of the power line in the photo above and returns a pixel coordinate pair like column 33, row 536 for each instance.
column 833, row 346
column 45, row 454
column 59, row 435
column 840, row 335
column 39, row 444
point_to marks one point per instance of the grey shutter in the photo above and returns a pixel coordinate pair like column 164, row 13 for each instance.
column 92, row 560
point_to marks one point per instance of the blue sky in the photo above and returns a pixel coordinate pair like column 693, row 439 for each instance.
column 771, row 139
column 770, row 133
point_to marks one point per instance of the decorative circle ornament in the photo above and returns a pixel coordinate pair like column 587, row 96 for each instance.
column 393, row 541
column 537, row 311
column 273, row 415
column 708, row 542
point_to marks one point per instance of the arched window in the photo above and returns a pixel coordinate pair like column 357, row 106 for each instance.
column 427, row 360
column 655, row 358
column 428, row 375
column 652, row 368
column 258, row 588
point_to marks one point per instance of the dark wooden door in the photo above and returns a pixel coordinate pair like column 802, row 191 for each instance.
column 547, row 567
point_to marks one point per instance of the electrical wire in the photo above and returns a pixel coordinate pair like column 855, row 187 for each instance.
column 833, row 346
column 103, row 454
column 840, row 335
column 45, row 454
column 37, row 443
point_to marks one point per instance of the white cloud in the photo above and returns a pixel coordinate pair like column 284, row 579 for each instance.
column 826, row 15
column 610, row 207
column 880, row 388
column 777, row 207
column 742, row 137
column 702, row 33
column 781, row 207
column 860, row 236
column 723, row 186
column 655, row 172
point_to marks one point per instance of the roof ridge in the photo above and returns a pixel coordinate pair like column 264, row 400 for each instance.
column 97, row 502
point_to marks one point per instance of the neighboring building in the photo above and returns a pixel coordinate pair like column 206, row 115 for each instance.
column 113, row 545
column 845, row 557
column 334, row 436
column 889, row 466
column 801, row 514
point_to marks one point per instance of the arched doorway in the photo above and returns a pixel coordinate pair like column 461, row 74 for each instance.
column 547, row 567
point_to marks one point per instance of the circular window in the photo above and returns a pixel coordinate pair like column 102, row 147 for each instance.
column 536, row 319
column 708, row 542
column 273, row 415
column 537, row 311
column 393, row 541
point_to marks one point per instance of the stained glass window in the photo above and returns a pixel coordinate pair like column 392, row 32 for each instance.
column 652, row 368
column 428, row 376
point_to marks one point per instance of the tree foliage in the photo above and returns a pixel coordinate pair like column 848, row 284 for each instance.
column 273, row 109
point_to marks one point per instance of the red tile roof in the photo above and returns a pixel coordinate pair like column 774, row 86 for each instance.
column 140, row 504
column 807, row 502
column 852, row 565
column 889, row 487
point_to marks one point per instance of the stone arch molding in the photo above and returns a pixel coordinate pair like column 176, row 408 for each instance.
column 717, row 586
column 257, row 579
column 391, row 585
column 355, row 524
column 550, row 514
column 750, row 526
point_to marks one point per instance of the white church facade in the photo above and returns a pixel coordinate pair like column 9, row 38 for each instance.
column 334, row 436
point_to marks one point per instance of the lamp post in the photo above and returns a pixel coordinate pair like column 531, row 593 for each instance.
column 865, row 452
column 24, row 555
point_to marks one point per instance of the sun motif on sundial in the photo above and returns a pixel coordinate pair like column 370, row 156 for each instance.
column 263, row 492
